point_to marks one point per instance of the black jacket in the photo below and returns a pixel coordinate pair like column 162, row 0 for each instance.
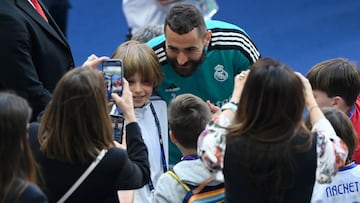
column 34, row 54
column 118, row 170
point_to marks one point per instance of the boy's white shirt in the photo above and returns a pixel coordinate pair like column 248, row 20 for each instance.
column 150, row 135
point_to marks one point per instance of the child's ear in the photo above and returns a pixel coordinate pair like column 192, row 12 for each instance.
column 172, row 137
column 339, row 103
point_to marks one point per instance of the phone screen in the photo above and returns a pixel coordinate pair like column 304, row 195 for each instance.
column 113, row 76
column 118, row 120
column 118, row 125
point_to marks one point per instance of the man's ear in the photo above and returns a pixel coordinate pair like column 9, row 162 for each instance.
column 172, row 137
column 207, row 37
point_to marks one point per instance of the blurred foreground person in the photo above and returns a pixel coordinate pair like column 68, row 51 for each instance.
column 75, row 133
column 269, row 155
column 17, row 171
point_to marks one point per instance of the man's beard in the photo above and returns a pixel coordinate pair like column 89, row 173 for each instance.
column 185, row 72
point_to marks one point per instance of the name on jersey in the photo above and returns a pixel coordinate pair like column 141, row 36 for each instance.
column 342, row 189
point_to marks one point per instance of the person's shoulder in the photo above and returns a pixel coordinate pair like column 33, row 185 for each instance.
column 13, row 9
column 167, row 189
column 116, row 152
column 33, row 194
column 6, row 7
column 357, row 168
column 157, row 100
column 168, row 180
column 192, row 171
column 112, row 157
column 10, row 14
column 217, row 24
column 154, row 42
column 227, row 36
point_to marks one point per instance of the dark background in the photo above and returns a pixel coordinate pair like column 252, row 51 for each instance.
column 299, row 33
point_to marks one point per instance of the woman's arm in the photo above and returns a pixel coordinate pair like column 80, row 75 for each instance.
column 135, row 146
column 212, row 141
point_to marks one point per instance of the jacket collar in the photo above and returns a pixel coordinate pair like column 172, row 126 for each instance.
column 50, row 26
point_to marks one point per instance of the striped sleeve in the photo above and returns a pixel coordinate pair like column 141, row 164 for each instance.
column 224, row 38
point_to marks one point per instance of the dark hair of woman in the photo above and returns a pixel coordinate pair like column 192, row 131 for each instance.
column 75, row 126
column 267, row 123
column 17, row 162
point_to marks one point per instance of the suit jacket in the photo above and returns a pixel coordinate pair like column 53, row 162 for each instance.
column 34, row 54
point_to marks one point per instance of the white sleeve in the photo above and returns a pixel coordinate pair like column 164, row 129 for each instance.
column 331, row 151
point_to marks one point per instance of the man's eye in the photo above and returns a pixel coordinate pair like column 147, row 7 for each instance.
column 172, row 49
column 191, row 50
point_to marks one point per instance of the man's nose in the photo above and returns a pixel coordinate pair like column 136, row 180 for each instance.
column 182, row 58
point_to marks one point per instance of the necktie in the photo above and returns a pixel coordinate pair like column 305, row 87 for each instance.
column 39, row 9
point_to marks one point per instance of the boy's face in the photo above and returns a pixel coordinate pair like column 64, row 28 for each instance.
column 141, row 90
column 322, row 99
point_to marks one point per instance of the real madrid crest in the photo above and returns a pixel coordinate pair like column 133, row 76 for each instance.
column 220, row 74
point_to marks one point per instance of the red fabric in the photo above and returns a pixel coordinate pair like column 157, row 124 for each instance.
column 355, row 119
column 39, row 9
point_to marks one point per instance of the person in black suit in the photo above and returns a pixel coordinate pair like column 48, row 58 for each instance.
column 59, row 10
column 34, row 53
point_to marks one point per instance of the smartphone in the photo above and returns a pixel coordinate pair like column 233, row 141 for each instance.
column 118, row 125
column 118, row 120
column 113, row 76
